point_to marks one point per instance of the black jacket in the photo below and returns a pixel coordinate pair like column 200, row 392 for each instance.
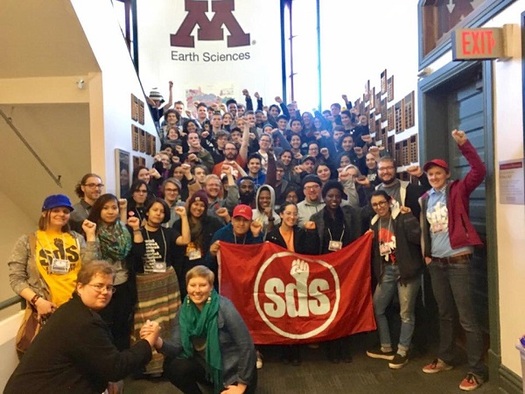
column 304, row 241
column 354, row 220
column 408, row 250
column 74, row 353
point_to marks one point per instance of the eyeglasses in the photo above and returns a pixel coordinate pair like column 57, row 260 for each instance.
column 313, row 187
column 379, row 204
column 99, row 288
column 97, row 185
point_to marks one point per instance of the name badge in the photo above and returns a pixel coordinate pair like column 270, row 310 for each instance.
column 335, row 246
column 193, row 252
column 60, row 266
column 159, row 267
column 385, row 249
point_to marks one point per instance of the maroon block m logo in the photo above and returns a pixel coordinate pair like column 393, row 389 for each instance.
column 210, row 30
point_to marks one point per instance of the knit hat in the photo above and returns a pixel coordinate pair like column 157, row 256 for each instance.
column 55, row 201
column 332, row 184
column 155, row 95
column 311, row 178
column 174, row 181
column 199, row 195
column 436, row 162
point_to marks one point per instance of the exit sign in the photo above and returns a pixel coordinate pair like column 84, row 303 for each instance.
column 485, row 43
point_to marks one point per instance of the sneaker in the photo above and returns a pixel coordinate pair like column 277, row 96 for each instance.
column 259, row 362
column 398, row 361
column 436, row 366
column 471, row 382
column 378, row 353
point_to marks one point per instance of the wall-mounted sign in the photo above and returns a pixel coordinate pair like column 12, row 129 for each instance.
column 511, row 182
column 483, row 43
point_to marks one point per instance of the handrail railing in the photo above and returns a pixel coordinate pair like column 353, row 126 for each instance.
column 13, row 301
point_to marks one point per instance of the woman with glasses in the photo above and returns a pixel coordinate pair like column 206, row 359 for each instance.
column 114, row 239
column 75, row 353
column 44, row 264
column 299, row 240
column 139, row 196
column 157, row 262
column 397, row 266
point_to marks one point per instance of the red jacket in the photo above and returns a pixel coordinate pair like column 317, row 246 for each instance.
column 461, row 231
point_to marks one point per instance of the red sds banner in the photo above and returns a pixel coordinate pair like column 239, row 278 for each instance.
column 287, row 298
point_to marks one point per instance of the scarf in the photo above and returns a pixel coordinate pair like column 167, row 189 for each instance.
column 203, row 324
column 115, row 241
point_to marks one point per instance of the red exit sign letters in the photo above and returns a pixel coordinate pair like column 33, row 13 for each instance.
column 486, row 43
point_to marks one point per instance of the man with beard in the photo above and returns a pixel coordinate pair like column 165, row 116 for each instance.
column 312, row 202
column 233, row 154
column 212, row 187
column 89, row 190
column 403, row 193
column 247, row 191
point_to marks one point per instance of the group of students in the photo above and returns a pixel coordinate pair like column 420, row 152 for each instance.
column 161, row 241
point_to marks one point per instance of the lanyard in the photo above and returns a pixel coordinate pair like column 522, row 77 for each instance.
column 342, row 234
column 243, row 240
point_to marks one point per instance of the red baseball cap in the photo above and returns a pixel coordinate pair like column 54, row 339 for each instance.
column 244, row 211
column 436, row 162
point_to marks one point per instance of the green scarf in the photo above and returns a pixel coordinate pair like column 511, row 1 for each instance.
column 115, row 241
column 203, row 324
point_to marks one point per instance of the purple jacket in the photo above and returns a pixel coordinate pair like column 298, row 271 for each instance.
column 461, row 231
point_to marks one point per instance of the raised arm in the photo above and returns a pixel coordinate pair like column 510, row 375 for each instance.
column 185, row 237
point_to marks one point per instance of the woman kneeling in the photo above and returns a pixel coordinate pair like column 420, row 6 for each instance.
column 210, row 344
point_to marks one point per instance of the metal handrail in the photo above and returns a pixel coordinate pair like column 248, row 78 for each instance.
column 13, row 301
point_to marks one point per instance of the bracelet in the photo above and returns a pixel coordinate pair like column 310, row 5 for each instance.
column 34, row 299
column 191, row 181
column 137, row 231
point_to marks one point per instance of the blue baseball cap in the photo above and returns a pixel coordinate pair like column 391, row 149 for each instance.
column 57, row 200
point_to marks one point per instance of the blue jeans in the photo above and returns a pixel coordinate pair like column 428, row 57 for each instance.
column 452, row 289
column 383, row 295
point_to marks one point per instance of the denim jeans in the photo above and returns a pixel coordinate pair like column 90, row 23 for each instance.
column 383, row 295
column 452, row 289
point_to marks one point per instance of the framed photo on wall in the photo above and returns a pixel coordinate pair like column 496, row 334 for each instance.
column 122, row 172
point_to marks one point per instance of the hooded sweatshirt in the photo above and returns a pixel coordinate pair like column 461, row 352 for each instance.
column 258, row 212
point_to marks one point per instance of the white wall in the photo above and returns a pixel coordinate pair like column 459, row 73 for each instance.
column 7, row 346
column 110, row 117
column 508, row 86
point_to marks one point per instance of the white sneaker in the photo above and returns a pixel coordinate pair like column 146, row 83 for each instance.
column 259, row 362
